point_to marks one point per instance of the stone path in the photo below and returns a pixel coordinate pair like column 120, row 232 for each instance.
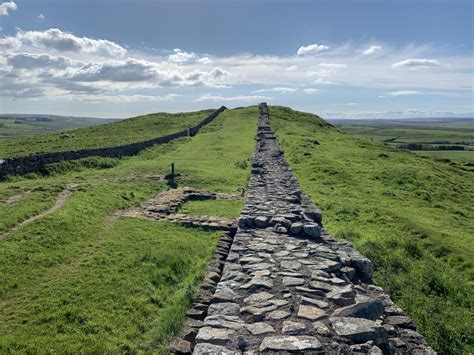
column 288, row 286
column 165, row 205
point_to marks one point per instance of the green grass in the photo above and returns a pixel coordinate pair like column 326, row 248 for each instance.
column 117, row 133
column 77, row 280
column 216, row 208
column 412, row 216
column 112, row 299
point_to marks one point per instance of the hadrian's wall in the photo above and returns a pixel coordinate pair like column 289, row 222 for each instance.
column 36, row 163
column 286, row 285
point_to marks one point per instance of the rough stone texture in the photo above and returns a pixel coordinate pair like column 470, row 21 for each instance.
column 314, row 292
column 36, row 163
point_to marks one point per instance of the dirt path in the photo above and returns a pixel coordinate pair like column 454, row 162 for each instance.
column 16, row 198
column 60, row 199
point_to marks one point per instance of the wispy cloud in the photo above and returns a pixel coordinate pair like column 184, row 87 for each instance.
column 404, row 93
column 281, row 90
column 57, row 40
column 417, row 63
column 210, row 97
column 372, row 50
column 312, row 49
column 41, row 17
column 310, row 90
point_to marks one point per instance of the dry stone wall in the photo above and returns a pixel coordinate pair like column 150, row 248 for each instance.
column 288, row 286
column 36, row 163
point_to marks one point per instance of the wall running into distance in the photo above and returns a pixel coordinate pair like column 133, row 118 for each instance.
column 287, row 285
column 36, row 163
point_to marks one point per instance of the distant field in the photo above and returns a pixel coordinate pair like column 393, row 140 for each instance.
column 394, row 133
column 412, row 216
column 13, row 128
column 461, row 156
column 106, row 135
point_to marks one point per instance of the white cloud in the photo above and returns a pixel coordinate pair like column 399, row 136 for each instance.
column 130, row 70
column 9, row 43
column 312, row 49
column 218, row 72
column 281, row 90
column 404, row 93
column 310, row 90
column 204, row 60
column 180, row 56
column 41, row 17
column 292, row 68
column 7, row 6
column 55, row 39
column 372, row 50
column 417, row 63
column 38, row 61
column 210, row 97
column 327, row 69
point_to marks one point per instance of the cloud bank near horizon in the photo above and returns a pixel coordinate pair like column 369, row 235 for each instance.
column 55, row 64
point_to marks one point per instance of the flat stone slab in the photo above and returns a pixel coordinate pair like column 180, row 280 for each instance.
column 290, row 343
column 215, row 336
column 359, row 330
column 311, row 313
column 260, row 328
column 293, row 328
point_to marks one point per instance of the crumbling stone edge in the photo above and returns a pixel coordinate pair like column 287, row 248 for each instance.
column 185, row 341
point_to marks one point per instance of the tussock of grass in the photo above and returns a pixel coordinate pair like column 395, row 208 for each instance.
column 397, row 208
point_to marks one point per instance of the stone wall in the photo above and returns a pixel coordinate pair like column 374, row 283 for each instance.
column 36, row 163
column 287, row 285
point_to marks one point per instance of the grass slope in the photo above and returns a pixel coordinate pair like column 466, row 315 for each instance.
column 78, row 280
column 411, row 216
column 117, row 133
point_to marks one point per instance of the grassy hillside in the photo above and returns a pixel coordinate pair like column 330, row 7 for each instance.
column 21, row 126
column 412, row 216
column 117, row 133
column 80, row 280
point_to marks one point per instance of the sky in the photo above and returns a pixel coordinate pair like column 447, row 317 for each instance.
column 335, row 58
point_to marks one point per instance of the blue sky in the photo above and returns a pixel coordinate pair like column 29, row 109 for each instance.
column 339, row 59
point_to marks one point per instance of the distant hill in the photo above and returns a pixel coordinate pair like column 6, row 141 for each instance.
column 16, row 125
column 24, row 134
